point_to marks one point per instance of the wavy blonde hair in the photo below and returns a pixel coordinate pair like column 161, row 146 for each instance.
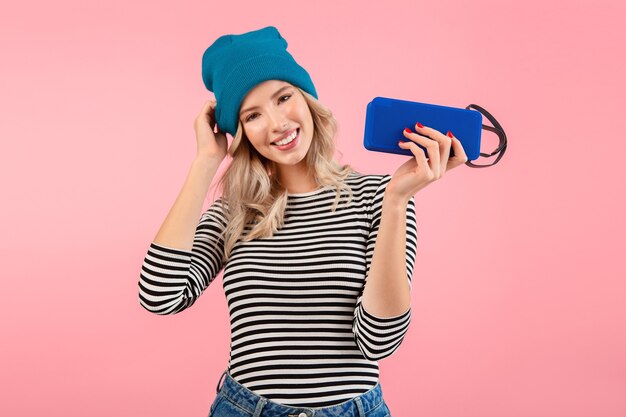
column 251, row 191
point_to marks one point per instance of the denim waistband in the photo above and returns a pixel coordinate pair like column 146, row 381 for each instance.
column 259, row 406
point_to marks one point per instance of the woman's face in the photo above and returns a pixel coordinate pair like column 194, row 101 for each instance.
column 271, row 110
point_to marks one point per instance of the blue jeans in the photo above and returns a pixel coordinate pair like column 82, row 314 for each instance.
column 235, row 400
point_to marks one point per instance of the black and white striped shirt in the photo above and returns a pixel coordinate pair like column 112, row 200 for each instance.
column 299, row 334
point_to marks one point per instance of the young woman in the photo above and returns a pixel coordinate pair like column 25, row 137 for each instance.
column 317, row 257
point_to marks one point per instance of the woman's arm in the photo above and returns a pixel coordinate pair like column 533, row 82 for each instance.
column 378, row 326
column 178, row 228
column 387, row 289
column 186, row 254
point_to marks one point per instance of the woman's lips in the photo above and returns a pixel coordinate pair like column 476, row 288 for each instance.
column 291, row 144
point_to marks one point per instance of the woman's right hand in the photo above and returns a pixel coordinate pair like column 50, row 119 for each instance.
column 211, row 145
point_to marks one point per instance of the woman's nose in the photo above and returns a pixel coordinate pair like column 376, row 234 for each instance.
column 278, row 120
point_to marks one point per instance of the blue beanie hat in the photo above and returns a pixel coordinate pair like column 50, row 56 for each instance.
column 234, row 64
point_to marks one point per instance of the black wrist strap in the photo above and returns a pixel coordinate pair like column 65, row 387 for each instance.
column 498, row 130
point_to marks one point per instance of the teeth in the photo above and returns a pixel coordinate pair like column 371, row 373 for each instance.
column 287, row 139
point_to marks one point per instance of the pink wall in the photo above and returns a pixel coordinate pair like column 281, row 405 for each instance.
column 519, row 284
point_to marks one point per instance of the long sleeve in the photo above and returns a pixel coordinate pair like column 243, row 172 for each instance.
column 377, row 337
column 297, row 335
column 171, row 280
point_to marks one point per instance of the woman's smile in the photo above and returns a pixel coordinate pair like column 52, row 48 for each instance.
column 290, row 145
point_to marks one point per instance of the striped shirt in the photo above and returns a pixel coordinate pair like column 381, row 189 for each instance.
column 299, row 333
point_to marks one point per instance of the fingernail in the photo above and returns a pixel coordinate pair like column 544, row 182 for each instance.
column 450, row 134
column 419, row 124
column 407, row 130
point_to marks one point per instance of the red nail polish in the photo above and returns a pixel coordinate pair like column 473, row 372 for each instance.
column 407, row 130
column 450, row 134
column 419, row 124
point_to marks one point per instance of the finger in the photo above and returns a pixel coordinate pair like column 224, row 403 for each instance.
column 418, row 152
column 430, row 132
column 444, row 141
column 460, row 157
column 209, row 112
column 208, row 105
column 205, row 113
column 445, row 144
column 432, row 147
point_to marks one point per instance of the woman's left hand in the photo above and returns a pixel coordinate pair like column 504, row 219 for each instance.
column 418, row 172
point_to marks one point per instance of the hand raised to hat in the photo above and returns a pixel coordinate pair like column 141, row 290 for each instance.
column 418, row 172
column 211, row 145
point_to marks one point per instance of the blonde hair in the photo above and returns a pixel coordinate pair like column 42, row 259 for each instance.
column 251, row 191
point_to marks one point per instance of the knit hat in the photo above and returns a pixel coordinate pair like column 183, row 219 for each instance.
column 234, row 64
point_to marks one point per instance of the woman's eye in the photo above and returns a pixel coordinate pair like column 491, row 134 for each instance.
column 253, row 114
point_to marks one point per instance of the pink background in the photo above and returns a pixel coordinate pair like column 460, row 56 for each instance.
column 518, row 295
